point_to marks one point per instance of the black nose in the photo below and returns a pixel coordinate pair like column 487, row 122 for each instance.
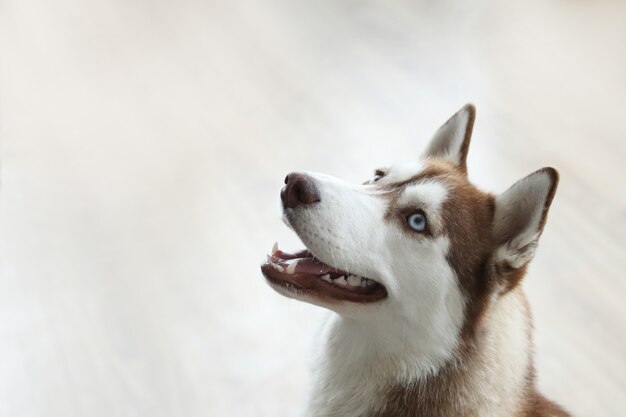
column 299, row 190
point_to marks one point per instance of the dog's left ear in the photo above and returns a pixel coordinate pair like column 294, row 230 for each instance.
column 519, row 217
column 451, row 141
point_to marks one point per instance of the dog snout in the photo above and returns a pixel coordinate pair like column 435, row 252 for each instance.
column 299, row 190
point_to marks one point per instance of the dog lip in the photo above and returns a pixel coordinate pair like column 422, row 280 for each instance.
column 302, row 272
column 313, row 285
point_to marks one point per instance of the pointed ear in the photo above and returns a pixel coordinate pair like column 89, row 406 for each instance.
column 451, row 141
column 520, row 214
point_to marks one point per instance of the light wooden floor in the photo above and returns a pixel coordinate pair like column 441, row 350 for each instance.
column 144, row 144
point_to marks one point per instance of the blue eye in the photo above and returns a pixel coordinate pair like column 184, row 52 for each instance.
column 417, row 221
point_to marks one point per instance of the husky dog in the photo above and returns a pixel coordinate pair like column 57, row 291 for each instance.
column 423, row 271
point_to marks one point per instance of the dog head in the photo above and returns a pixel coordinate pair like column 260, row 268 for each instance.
column 416, row 244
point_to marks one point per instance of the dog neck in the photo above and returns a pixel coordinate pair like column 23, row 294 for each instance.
column 369, row 371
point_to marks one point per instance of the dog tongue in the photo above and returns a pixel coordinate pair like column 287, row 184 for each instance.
column 306, row 262
column 313, row 266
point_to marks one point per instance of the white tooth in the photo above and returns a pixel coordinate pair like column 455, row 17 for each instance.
column 275, row 248
column 354, row 281
column 292, row 267
column 277, row 267
column 363, row 282
column 326, row 278
column 341, row 281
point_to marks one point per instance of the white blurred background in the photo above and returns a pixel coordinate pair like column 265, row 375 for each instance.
column 144, row 143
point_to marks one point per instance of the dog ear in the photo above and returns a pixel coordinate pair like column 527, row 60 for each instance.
column 451, row 141
column 519, row 217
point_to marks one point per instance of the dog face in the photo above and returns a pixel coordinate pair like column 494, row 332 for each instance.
column 416, row 246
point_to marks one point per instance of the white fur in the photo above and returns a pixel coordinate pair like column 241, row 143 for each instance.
column 498, row 372
column 509, row 356
column 513, row 255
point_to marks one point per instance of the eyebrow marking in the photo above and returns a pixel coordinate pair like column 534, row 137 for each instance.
column 404, row 171
column 430, row 194
column 405, row 174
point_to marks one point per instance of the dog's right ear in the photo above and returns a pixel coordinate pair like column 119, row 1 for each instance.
column 451, row 141
column 519, row 217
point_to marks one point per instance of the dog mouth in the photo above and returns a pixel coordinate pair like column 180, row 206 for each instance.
column 301, row 272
